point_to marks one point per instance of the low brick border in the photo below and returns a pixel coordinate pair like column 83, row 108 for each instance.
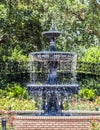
column 54, row 122
column 80, row 122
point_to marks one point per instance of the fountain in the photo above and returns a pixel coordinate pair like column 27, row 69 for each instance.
column 52, row 77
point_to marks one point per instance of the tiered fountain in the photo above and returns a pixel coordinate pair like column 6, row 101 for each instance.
column 52, row 81
column 52, row 76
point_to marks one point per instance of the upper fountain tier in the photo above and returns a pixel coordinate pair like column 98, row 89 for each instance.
column 44, row 56
column 52, row 34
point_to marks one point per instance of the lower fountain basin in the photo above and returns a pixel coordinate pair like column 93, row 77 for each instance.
column 69, row 88
column 52, row 97
column 64, row 113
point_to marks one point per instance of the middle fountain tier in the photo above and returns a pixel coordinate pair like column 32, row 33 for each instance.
column 52, row 76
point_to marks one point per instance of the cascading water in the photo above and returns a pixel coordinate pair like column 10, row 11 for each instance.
column 52, row 76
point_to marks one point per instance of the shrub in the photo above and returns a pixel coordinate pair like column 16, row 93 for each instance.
column 15, row 90
column 87, row 94
column 90, row 83
column 92, row 55
column 17, row 104
column 66, row 105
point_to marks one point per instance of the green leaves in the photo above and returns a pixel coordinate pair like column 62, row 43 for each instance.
column 92, row 55
column 15, row 90
column 78, row 21
column 17, row 55
column 86, row 93
column 16, row 104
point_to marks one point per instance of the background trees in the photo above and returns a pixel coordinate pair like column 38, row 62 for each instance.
column 22, row 22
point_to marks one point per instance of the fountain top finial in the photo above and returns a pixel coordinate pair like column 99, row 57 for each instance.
column 52, row 26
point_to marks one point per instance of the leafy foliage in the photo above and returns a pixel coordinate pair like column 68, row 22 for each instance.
column 17, row 55
column 16, row 104
column 92, row 55
column 90, row 83
column 76, row 103
column 23, row 22
column 15, row 90
column 86, row 93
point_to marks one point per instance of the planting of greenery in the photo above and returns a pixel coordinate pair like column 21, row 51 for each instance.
column 13, row 90
column 90, row 61
column 90, row 83
column 86, row 93
column 76, row 103
column 16, row 104
column 92, row 55
column 16, row 91
column 16, row 97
